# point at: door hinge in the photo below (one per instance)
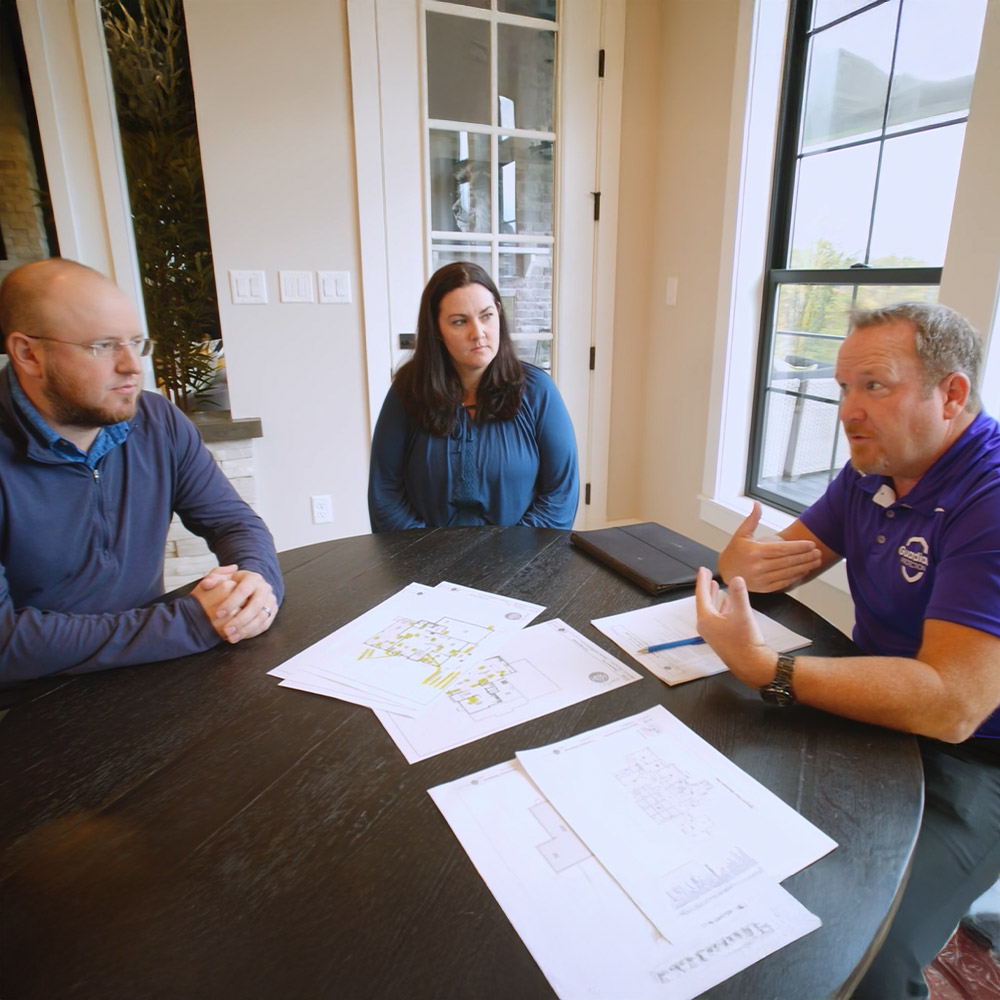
(597, 205)
(600, 63)
(586, 494)
(593, 357)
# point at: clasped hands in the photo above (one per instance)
(239, 603)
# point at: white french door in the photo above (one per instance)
(484, 131)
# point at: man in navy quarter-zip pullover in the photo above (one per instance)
(91, 471)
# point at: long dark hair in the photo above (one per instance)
(428, 384)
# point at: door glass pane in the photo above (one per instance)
(525, 274)
(460, 181)
(524, 186)
(481, 4)
(545, 9)
(831, 214)
(526, 63)
(848, 78)
(931, 79)
(911, 229)
(451, 251)
(497, 179)
(458, 68)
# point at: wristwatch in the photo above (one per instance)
(779, 691)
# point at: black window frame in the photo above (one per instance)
(776, 271)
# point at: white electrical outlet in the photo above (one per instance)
(322, 508)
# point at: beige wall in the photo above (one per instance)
(675, 136)
(272, 88)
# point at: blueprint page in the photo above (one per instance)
(589, 939)
(538, 670)
(675, 822)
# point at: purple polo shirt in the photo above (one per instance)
(933, 554)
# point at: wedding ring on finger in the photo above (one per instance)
(267, 611)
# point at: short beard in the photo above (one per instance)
(69, 414)
(879, 467)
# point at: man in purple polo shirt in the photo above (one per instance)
(916, 515)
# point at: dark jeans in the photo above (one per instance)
(956, 859)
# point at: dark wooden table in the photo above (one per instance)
(190, 829)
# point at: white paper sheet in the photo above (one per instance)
(635, 630)
(676, 823)
(406, 651)
(541, 669)
(589, 939)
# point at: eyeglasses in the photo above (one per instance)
(106, 348)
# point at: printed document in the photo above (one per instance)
(406, 651)
(635, 630)
(675, 822)
(590, 939)
(538, 670)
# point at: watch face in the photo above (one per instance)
(777, 694)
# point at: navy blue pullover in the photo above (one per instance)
(81, 550)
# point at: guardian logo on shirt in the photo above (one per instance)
(913, 559)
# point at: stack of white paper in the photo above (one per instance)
(447, 665)
(401, 654)
(635, 860)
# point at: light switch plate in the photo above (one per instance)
(334, 286)
(296, 286)
(248, 287)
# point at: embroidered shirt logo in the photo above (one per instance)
(913, 559)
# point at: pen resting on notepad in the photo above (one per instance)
(656, 647)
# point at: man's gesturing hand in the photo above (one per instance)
(770, 563)
(726, 622)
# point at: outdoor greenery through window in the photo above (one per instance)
(154, 99)
(874, 106)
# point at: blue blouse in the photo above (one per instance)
(517, 471)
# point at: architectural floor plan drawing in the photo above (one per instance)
(436, 644)
(498, 686)
(404, 653)
(677, 824)
(665, 792)
(538, 670)
(589, 939)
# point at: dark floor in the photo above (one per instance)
(965, 970)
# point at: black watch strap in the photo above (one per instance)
(779, 691)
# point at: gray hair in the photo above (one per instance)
(945, 342)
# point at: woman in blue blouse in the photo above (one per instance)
(467, 433)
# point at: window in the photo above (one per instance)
(27, 229)
(874, 105)
(491, 98)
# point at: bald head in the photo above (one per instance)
(34, 296)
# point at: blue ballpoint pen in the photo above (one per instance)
(693, 641)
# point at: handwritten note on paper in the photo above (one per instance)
(635, 630)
